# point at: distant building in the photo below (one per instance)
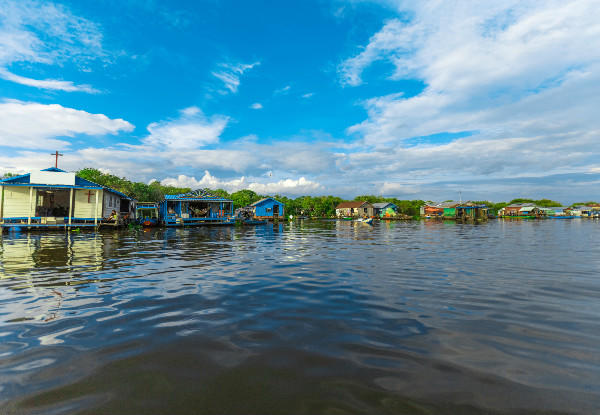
(354, 209)
(433, 209)
(267, 208)
(385, 209)
(518, 209)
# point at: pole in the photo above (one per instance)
(70, 206)
(96, 209)
(2, 205)
(30, 197)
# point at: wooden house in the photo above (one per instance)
(517, 209)
(267, 208)
(196, 208)
(54, 197)
(385, 209)
(354, 209)
(471, 210)
(439, 209)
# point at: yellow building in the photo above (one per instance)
(54, 197)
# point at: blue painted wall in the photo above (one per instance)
(265, 208)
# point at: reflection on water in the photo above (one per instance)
(303, 317)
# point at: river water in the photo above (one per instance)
(303, 317)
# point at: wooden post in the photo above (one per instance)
(96, 209)
(2, 205)
(71, 206)
(30, 197)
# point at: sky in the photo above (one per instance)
(410, 99)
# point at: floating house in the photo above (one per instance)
(196, 208)
(584, 211)
(471, 210)
(442, 209)
(385, 209)
(518, 209)
(56, 198)
(267, 208)
(354, 209)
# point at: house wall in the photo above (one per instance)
(111, 202)
(449, 212)
(266, 209)
(17, 203)
(85, 209)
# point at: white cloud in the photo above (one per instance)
(33, 125)
(67, 86)
(190, 131)
(286, 186)
(256, 106)
(522, 76)
(65, 38)
(230, 75)
(309, 95)
(283, 90)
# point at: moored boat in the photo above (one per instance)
(146, 214)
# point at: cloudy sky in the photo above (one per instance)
(407, 99)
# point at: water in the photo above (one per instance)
(305, 317)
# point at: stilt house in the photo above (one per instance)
(196, 208)
(267, 208)
(54, 197)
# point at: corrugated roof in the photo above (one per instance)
(258, 202)
(199, 195)
(351, 205)
(25, 179)
(383, 205)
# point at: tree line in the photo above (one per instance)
(313, 206)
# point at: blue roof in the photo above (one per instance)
(199, 195)
(264, 200)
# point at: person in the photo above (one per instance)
(113, 215)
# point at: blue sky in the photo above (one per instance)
(495, 99)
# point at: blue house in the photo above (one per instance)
(196, 208)
(268, 208)
(56, 198)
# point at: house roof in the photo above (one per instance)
(352, 205)
(383, 205)
(80, 183)
(264, 200)
(199, 195)
(520, 205)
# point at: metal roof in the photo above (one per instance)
(383, 205)
(199, 195)
(80, 183)
(351, 205)
(265, 199)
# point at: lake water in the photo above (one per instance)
(303, 317)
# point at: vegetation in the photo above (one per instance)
(312, 206)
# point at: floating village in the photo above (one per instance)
(54, 198)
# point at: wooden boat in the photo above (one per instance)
(254, 222)
(365, 220)
(146, 214)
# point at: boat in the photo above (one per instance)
(365, 220)
(146, 214)
(254, 222)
